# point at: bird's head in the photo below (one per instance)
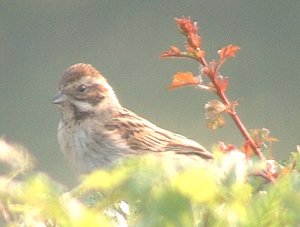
(84, 91)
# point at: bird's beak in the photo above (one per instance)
(59, 97)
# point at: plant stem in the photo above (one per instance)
(232, 111)
(241, 126)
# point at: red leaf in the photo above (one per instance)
(186, 26)
(210, 70)
(189, 29)
(222, 83)
(173, 52)
(182, 79)
(226, 148)
(194, 41)
(247, 149)
(228, 51)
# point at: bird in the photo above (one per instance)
(96, 132)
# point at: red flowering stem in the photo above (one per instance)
(241, 126)
(221, 94)
(193, 40)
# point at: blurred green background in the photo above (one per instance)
(40, 39)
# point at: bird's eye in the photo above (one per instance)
(82, 88)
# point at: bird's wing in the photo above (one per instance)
(142, 135)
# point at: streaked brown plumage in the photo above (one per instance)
(95, 131)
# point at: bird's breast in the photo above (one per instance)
(87, 147)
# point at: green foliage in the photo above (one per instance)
(150, 191)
